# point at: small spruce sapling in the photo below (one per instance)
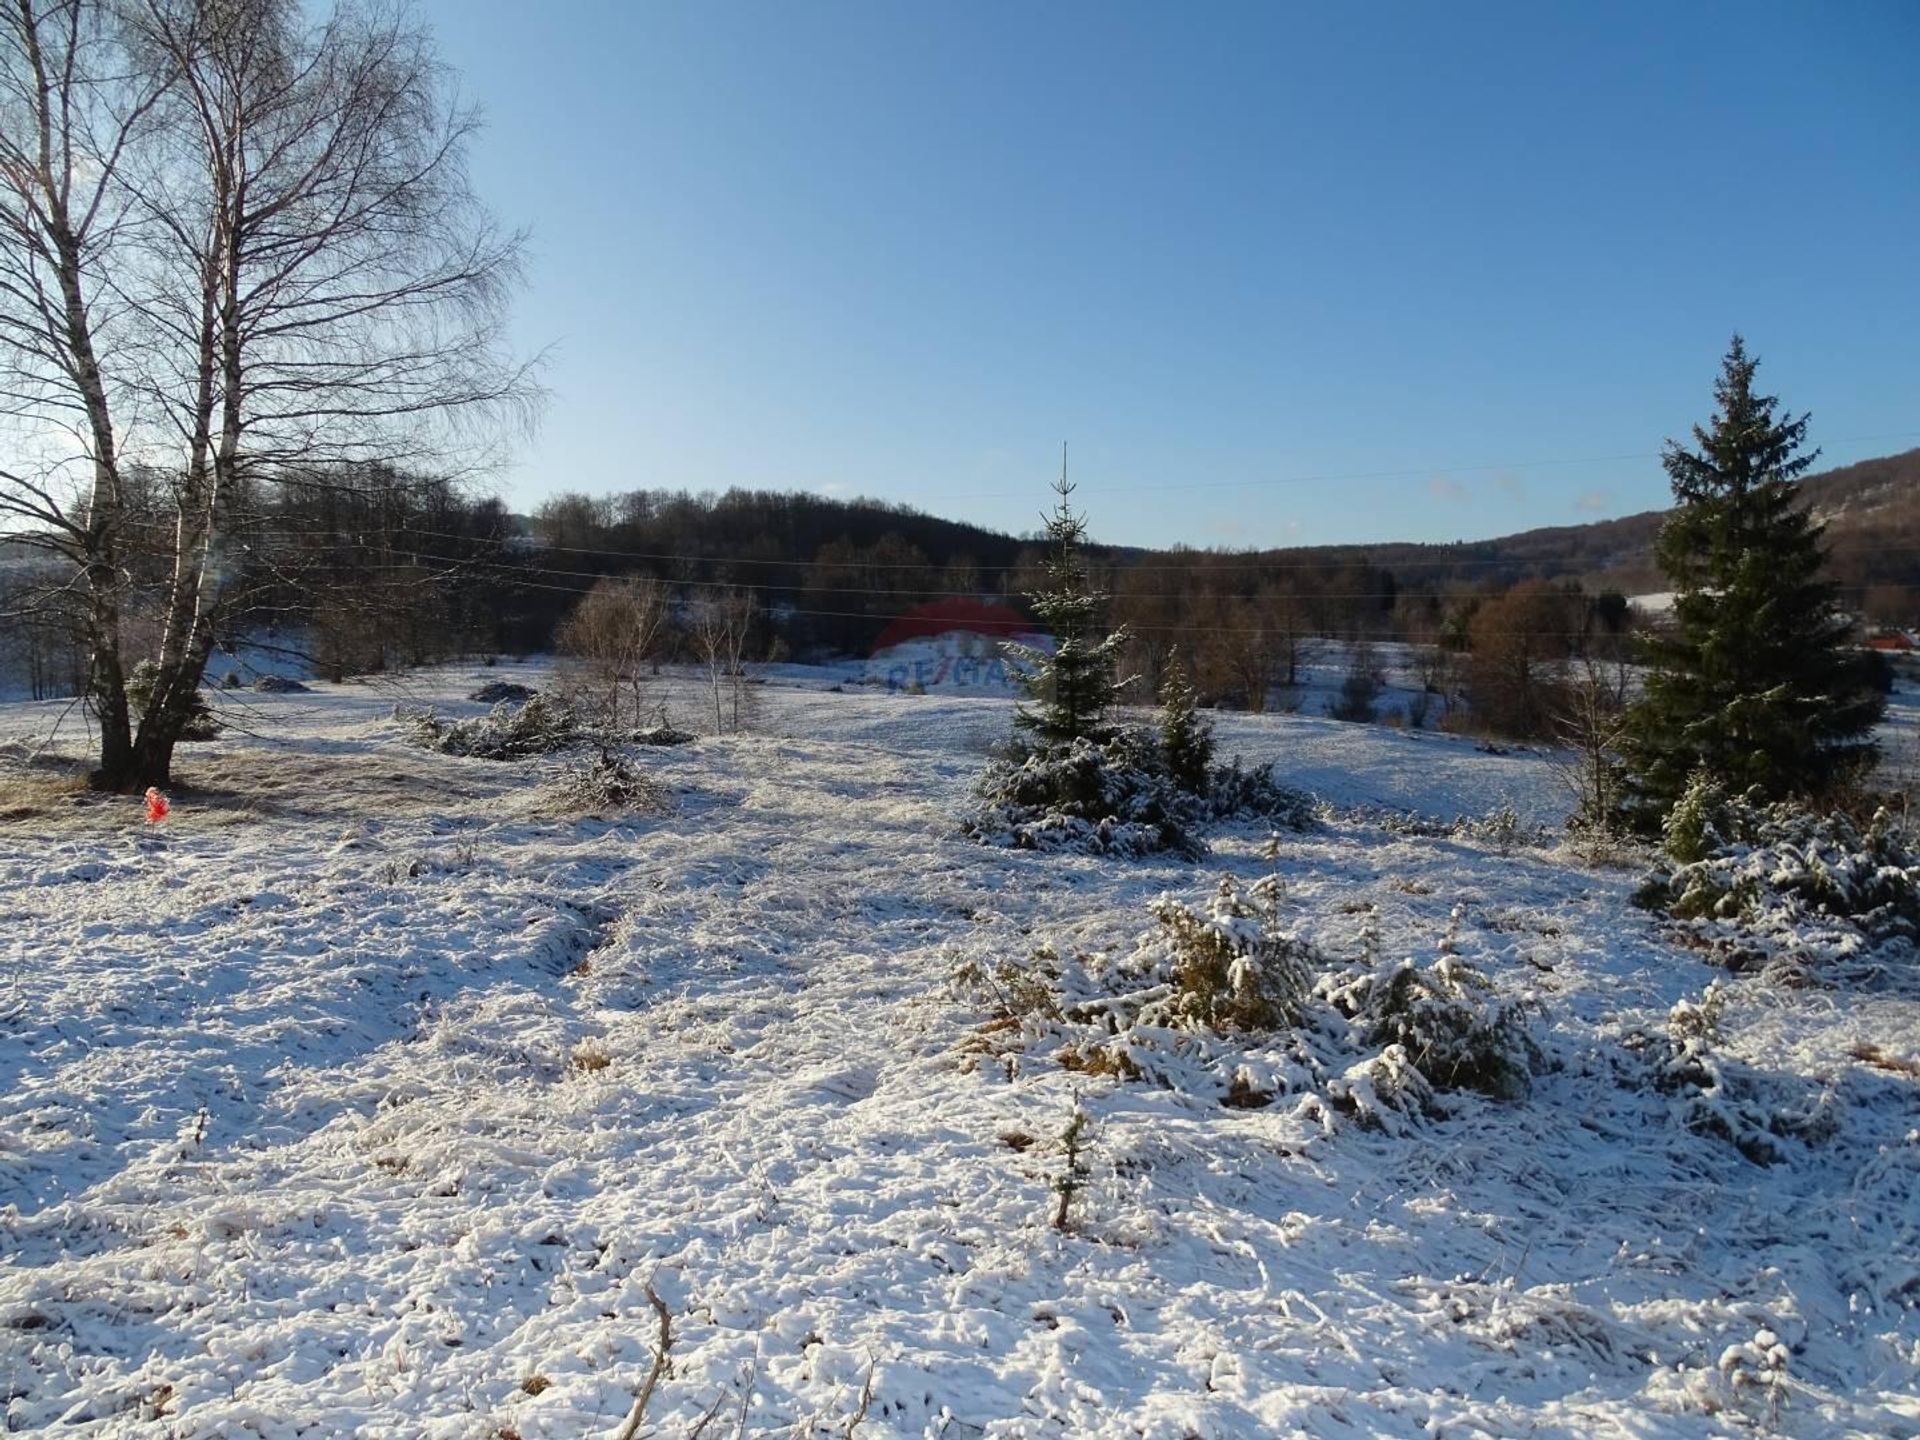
(1186, 735)
(1070, 689)
(1074, 1172)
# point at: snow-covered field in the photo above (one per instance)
(366, 1097)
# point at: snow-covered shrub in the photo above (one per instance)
(540, 726)
(608, 783)
(658, 730)
(1186, 734)
(1702, 821)
(1785, 878)
(502, 692)
(1383, 1091)
(1446, 1018)
(1759, 1364)
(1019, 990)
(1181, 1006)
(278, 685)
(1228, 963)
(1715, 1095)
(1500, 826)
(1119, 797)
(1238, 792)
(1107, 798)
(1073, 1169)
(1220, 998)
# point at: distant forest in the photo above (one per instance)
(395, 570)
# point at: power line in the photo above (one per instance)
(509, 569)
(1202, 567)
(515, 577)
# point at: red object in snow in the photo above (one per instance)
(157, 807)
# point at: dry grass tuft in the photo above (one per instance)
(35, 794)
(1880, 1060)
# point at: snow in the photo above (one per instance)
(363, 1095)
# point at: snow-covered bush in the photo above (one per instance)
(1500, 826)
(1180, 1006)
(1186, 734)
(1222, 999)
(608, 783)
(503, 692)
(658, 730)
(1758, 1364)
(1714, 1094)
(1701, 822)
(540, 726)
(1786, 878)
(1446, 1020)
(278, 685)
(1111, 797)
(1228, 963)
(1119, 797)
(1239, 792)
(1382, 1091)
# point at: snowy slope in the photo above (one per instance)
(365, 1098)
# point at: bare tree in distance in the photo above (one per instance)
(720, 623)
(282, 268)
(613, 635)
(1521, 641)
(1590, 720)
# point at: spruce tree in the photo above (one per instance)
(1186, 735)
(1071, 689)
(1753, 683)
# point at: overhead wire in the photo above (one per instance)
(515, 576)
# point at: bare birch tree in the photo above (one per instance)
(72, 115)
(296, 276)
(720, 624)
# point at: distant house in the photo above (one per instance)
(1898, 641)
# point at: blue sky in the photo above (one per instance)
(1279, 273)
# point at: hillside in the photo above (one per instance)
(1868, 506)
